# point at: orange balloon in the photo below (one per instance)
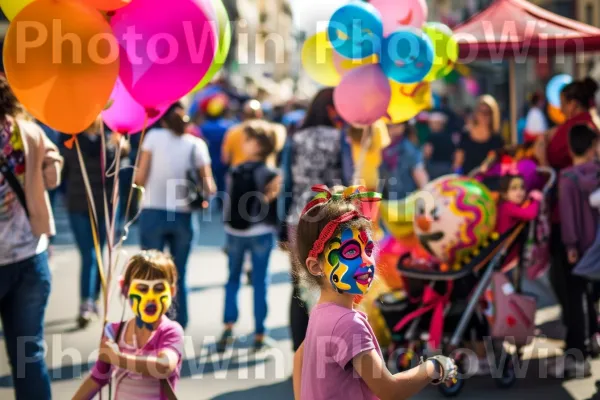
(62, 61)
(556, 114)
(107, 5)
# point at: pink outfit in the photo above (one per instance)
(132, 386)
(334, 337)
(511, 214)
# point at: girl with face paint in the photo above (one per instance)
(143, 354)
(340, 357)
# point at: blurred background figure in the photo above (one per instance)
(536, 124)
(438, 150)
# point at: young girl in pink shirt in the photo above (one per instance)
(143, 355)
(340, 357)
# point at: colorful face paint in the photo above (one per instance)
(349, 261)
(149, 300)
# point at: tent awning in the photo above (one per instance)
(518, 28)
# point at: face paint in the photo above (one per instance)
(149, 300)
(349, 262)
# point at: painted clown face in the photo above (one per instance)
(150, 300)
(349, 261)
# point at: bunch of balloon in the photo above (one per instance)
(553, 90)
(382, 51)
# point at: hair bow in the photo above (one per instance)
(508, 166)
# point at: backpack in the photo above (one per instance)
(246, 202)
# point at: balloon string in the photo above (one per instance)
(135, 166)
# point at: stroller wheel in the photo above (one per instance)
(508, 377)
(452, 389)
(402, 359)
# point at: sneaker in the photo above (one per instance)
(262, 344)
(567, 367)
(226, 340)
(88, 311)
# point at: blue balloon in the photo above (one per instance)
(407, 56)
(356, 30)
(555, 86)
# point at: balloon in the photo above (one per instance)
(408, 101)
(65, 87)
(556, 115)
(555, 86)
(344, 65)
(172, 52)
(407, 56)
(125, 115)
(454, 218)
(107, 5)
(224, 44)
(363, 95)
(445, 50)
(11, 8)
(318, 60)
(355, 30)
(395, 13)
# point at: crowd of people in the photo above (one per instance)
(279, 154)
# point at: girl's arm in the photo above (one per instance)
(297, 376)
(384, 385)
(161, 366)
(527, 213)
(87, 390)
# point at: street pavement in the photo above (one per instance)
(239, 374)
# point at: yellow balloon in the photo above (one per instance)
(344, 65)
(408, 100)
(445, 50)
(317, 60)
(398, 215)
(11, 8)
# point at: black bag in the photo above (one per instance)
(14, 183)
(245, 200)
(195, 194)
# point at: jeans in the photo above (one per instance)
(24, 292)
(161, 228)
(81, 227)
(260, 248)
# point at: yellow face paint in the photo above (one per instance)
(150, 300)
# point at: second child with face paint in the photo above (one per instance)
(340, 357)
(142, 356)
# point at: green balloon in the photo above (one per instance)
(445, 50)
(223, 45)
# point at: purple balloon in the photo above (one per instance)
(363, 95)
(166, 48)
(127, 116)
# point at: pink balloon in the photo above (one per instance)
(397, 13)
(363, 95)
(166, 48)
(127, 116)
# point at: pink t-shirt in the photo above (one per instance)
(334, 337)
(168, 335)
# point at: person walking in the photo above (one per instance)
(30, 165)
(168, 157)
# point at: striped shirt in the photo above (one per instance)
(132, 386)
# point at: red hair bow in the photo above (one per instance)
(508, 166)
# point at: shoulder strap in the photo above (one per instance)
(14, 183)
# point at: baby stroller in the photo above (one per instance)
(438, 306)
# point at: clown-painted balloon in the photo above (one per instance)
(555, 86)
(407, 56)
(445, 50)
(408, 100)
(454, 216)
(355, 30)
(396, 13)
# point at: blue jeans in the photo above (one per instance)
(260, 248)
(160, 228)
(24, 292)
(81, 227)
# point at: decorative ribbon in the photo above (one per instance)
(353, 194)
(432, 301)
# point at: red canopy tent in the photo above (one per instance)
(511, 29)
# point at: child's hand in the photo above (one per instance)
(572, 255)
(109, 352)
(536, 195)
(448, 369)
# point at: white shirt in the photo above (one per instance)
(170, 162)
(536, 122)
